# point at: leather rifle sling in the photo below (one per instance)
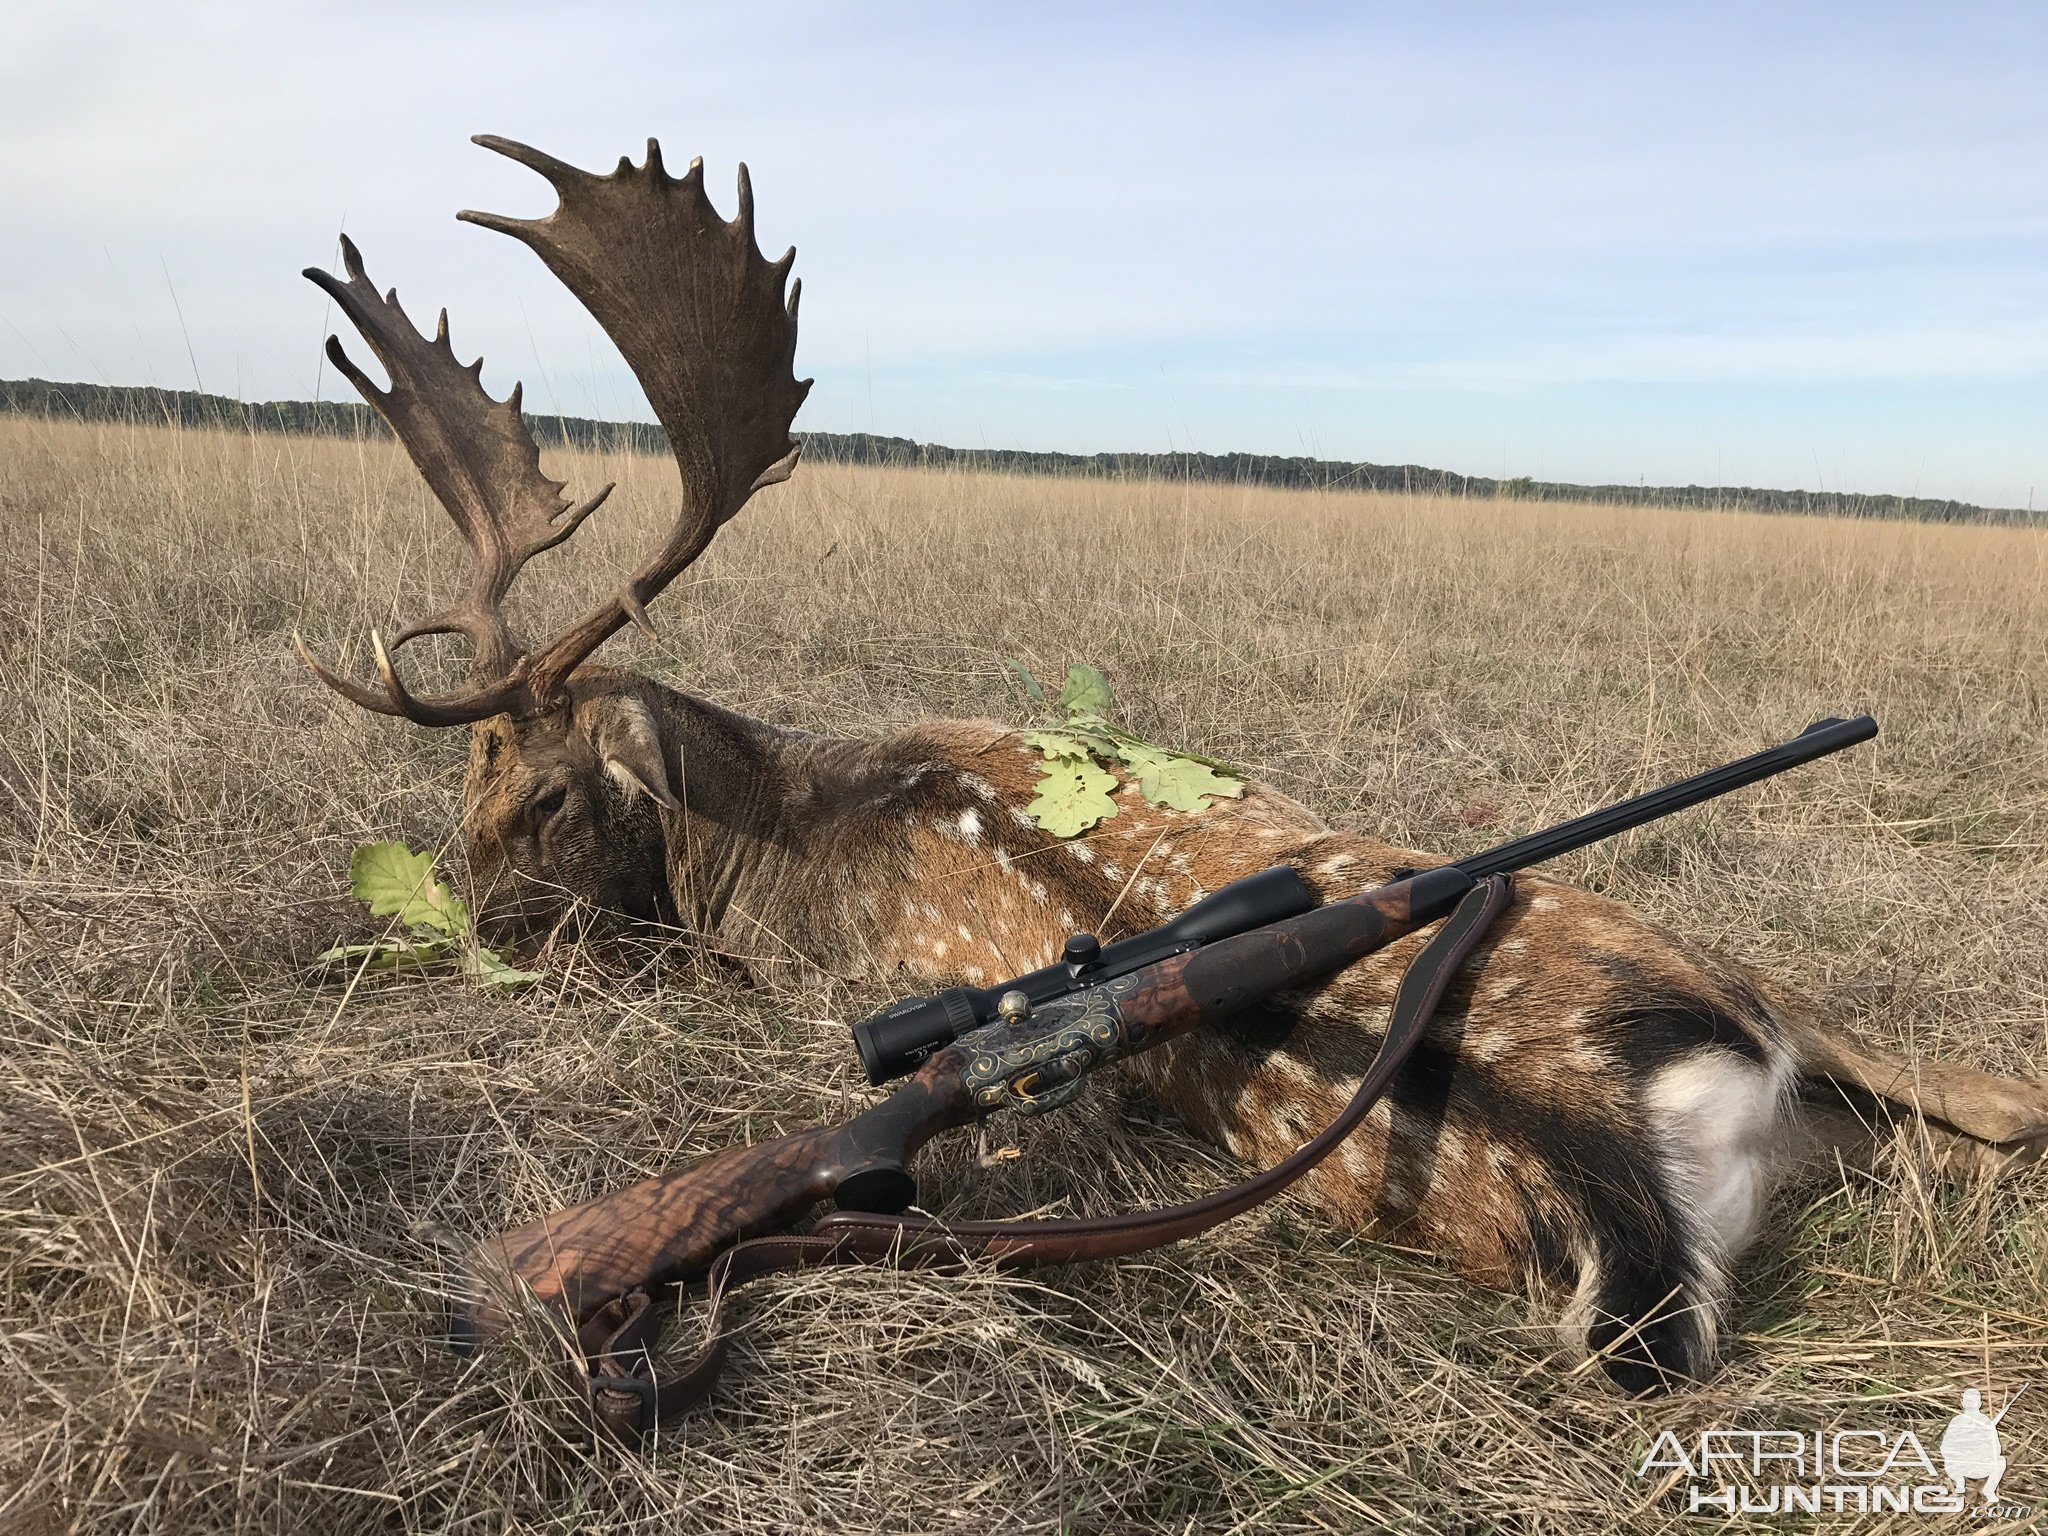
(625, 1396)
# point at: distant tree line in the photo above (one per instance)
(183, 407)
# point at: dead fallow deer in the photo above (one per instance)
(1601, 1106)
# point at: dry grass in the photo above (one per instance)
(220, 1184)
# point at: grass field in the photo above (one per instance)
(225, 1187)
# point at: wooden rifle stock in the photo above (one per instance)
(669, 1229)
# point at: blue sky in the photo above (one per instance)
(1780, 245)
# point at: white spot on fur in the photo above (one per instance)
(1113, 871)
(1543, 904)
(1590, 1059)
(1022, 817)
(977, 786)
(1582, 1311)
(970, 825)
(1082, 852)
(1294, 1069)
(1487, 1047)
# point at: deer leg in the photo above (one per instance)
(1836, 1122)
(2007, 1113)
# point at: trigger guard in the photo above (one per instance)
(1058, 1097)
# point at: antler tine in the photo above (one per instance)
(533, 159)
(461, 710)
(478, 458)
(700, 317)
(355, 693)
(743, 220)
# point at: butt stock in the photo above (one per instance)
(669, 1229)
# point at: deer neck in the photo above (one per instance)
(793, 848)
(727, 843)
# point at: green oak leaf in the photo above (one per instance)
(1212, 762)
(1030, 683)
(1085, 692)
(1073, 795)
(1074, 788)
(385, 955)
(492, 969)
(1173, 779)
(399, 957)
(1070, 746)
(1058, 746)
(397, 882)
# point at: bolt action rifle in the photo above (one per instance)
(1028, 1047)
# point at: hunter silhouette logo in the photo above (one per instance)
(1970, 1448)
(1862, 1470)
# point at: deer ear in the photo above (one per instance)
(629, 743)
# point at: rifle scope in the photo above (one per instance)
(894, 1041)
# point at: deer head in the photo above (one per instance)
(573, 767)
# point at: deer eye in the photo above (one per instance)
(545, 805)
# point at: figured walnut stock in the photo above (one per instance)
(1208, 985)
(668, 1229)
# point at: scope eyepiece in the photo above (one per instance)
(895, 1040)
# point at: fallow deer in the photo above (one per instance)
(1602, 1104)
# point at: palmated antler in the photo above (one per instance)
(478, 458)
(699, 315)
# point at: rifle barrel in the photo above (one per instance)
(2009, 1402)
(1817, 740)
